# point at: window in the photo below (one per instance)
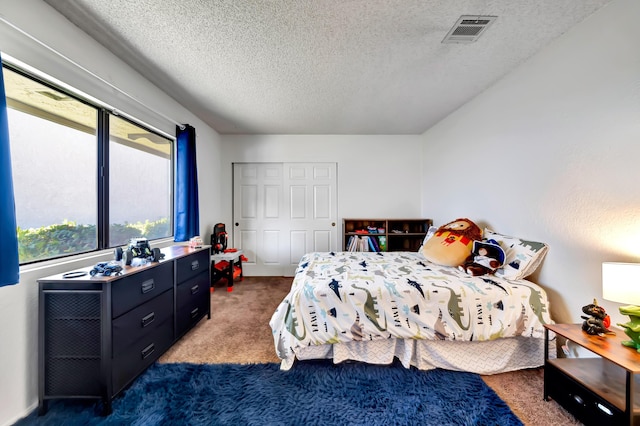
(77, 191)
(139, 175)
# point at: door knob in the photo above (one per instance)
(333, 224)
(237, 224)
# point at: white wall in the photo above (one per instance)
(551, 153)
(555, 145)
(378, 176)
(19, 303)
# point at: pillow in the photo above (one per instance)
(452, 243)
(523, 256)
(430, 232)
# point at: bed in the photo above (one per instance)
(374, 307)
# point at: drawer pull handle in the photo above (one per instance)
(194, 289)
(194, 313)
(148, 350)
(148, 286)
(195, 265)
(148, 319)
(604, 409)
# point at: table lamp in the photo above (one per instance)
(621, 283)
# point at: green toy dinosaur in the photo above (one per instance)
(632, 328)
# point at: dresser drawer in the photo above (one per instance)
(190, 313)
(192, 265)
(192, 289)
(141, 321)
(131, 291)
(140, 355)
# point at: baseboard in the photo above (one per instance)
(24, 414)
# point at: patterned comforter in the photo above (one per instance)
(347, 296)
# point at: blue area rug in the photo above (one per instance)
(311, 393)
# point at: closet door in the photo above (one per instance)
(259, 220)
(282, 211)
(310, 191)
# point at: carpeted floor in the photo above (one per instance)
(224, 339)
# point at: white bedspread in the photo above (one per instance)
(345, 297)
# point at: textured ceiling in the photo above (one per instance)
(322, 66)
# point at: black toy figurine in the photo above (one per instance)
(598, 322)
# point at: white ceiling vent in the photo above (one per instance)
(468, 28)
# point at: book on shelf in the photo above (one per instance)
(382, 242)
(352, 243)
(362, 243)
(375, 243)
(372, 244)
(366, 243)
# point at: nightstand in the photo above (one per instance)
(599, 390)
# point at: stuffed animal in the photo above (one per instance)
(452, 243)
(485, 258)
(598, 322)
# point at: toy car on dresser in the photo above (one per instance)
(106, 269)
(138, 248)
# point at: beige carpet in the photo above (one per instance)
(239, 332)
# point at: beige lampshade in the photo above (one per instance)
(621, 282)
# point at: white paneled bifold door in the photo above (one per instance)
(282, 211)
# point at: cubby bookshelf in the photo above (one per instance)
(397, 234)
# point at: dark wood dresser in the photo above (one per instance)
(98, 333)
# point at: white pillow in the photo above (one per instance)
(523, 256)
(432, 230)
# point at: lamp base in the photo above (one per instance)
(631, 328)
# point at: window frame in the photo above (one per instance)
(104, 113)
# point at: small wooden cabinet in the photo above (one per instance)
(98, 333)
(600, 390)
(395, 234)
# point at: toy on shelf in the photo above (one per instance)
(598, 321)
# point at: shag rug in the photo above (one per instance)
(311, 393)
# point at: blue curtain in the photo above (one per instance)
(9, 262)
(187, 216)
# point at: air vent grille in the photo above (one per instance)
(468, 29)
